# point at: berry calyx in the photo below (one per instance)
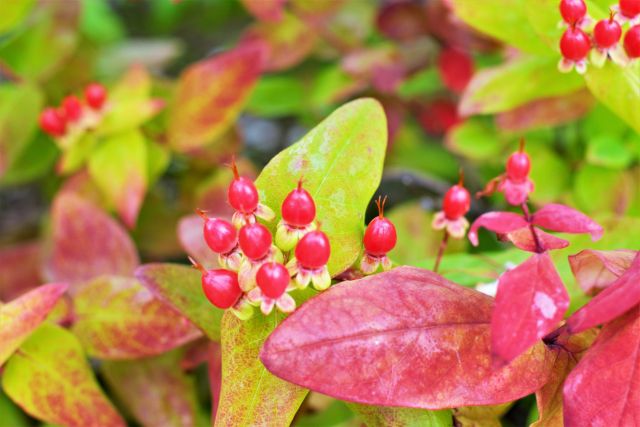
(95, 94)
(220, 286)
(71, 108)
(52, 122)
(380, 236)
(632, 42)
(630, 8)
(572, 11)
(273, 279)
(221, 236)
(298, 208)
(575, 44)
(242, 193)
(519, 165)
(607, 32)
(457, 200)
(255, 241)
(313, 250)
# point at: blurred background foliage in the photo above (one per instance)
(459, 87)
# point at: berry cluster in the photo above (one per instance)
(604, 41)
(73, 116)
(257, 272)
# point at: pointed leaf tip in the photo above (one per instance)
(563, 219)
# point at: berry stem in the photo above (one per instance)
(528, 218)
(522, 143)
(198, 266)
(380, 203)
(443, 246)
(234, 167)
(202, 214)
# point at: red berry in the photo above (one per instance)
(438, 116)
(52, 122)
(456, 69)
(95, 94)
(313, 250)
(273, 279)
(457, 202)
(380, 236)
(72, 108)
(630, 8)
(298, 208)
(572, 11)
(221, 236)
(221, 287)
(575, 44)
(519, 165)
(607, 33)
(632, 42)
(242, 194)
(255, 241)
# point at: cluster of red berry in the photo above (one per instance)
(257, 272)
(72, 116)
(576, 43)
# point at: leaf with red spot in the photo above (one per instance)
(286, 42)
(22, 316)
(210, 96)
(523, 239)
(50, 379)
(596, 270)
(85, 242)
(564, 219)
(530, 301)
(549, 397)
(498, 222)
(19, 269)
(155, 390)
(617, 298)
(604, 389)
(118, 318)
(265, 10)
(406, 337)
(180, 287)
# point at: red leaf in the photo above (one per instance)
(523, 239)
(265, 10)
(564, 219)
(596, 270)
(619, 297)
(86, 242)
(530, 302)
(498, 222)
(406, 337)
(604, 389)
(19, 270)
(402, 20)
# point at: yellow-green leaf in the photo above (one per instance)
(382, 416)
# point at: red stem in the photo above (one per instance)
(443, 246)
(528, 218)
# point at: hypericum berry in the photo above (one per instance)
(380, 236)
(456, 69)
(632, 42)
(221, 236)
(52, 122)
(220, 286)
(255, 241)
(519, 165)
(298, 208)
(629, 8)
(607, 33)
(72, 108)
(95, 94)
(573, 11)
(242, 194)
(313, 250)
(457, 202)
(273, 279)
(575, 44)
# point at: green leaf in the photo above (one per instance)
(155, 390)
(336, 414)
(608, 151)
(37, 158)
(598, 189)
(51, 380)
(341, 162)
(74, 157)
(11, 414)
(618, 88)
(381, 416)
(505, 20)
(550, 173)
(119, 167)
(99, 22)
(277, 96)
(515, 83)
(474, 139)
(423, 83)
(158, 159)
(13, 12)
(180, 287)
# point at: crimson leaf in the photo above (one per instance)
(407, 337)
(596, 270)
(564, 219)
(498, 222)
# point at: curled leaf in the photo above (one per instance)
(564, 219)
(406, 337)
(595, 270)
(498, 222)
(523, 239)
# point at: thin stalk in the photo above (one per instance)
(527, 217)
(443, 246)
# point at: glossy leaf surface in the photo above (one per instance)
(564, 219)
